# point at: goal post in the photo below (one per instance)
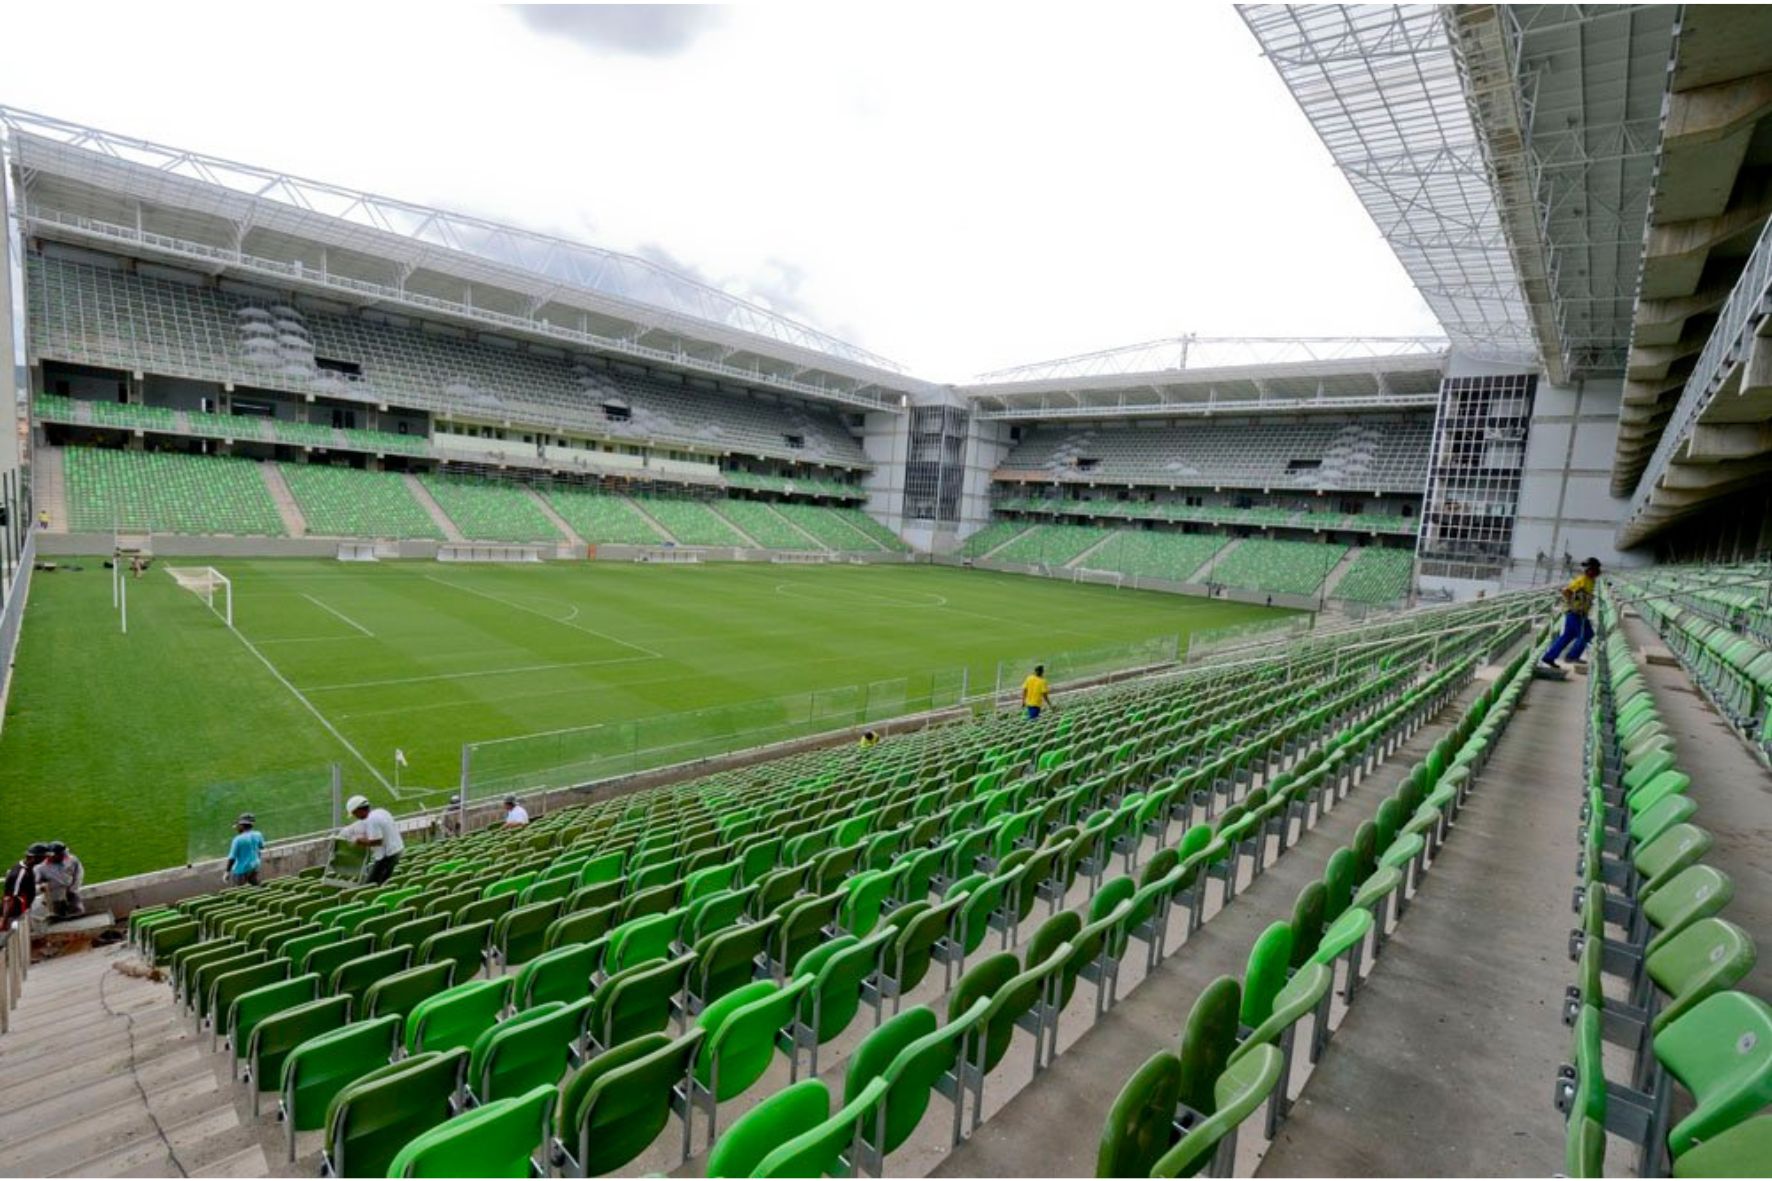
(207, 583)
(1113, 578)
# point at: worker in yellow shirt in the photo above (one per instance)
(1578, 630)
(1036, 694)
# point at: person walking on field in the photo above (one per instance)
(1036, 694)
(1578, 630)
(376, 831)
(243, 853)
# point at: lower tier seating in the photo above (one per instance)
(996, 533)
(1377, 576)
(1050, 545)
(486, 510)
(1278, 567)
(763, 525)
(692, 522)
(167, 492)
(600, 519)
(351, 502)
(1176, 557)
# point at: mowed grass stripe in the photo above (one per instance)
(111, 741)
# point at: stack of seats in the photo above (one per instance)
(1181, 1112)
(1656, 959)
(1377, 576)
(692, 522)
(486, 510)
(166, 492)
(763, 525)
(349, 502)
(600, 519)
(642, 960)
(1050, 545)
(1141, 554)
(1278, 567)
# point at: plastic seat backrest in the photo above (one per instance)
(1307, 921)
(400, 992)
(315, 1071)
(614, 1106)
(500, 1139)
(456, 1016)
(1720, 1051)
(741, 1029)
(781, 1117)
(526, 1051)
(1269, 965)
(1140, 1123)
(371, 1119)
(1710, 955)
(1207, 1039)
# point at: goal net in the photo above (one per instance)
(208, 584)
(1103, 577)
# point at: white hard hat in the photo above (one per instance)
(355, 802)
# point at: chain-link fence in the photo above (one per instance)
(585, 754)
(1079, 664)
(285, 805)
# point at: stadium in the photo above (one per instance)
(669, 738)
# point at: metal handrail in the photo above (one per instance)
(15, 962)
(1740, 314)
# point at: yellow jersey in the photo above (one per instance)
(1033, 691)
(1579, 594)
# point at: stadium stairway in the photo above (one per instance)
(49, 487)
(812, 543)
(1081, 561)
(1206, 573)
(294, 523)
(1432, 1073)
(1341, 568)
(426, 501)
(1049, 1129)
(554, 518)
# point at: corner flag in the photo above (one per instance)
(399, 756)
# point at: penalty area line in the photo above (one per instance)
(336, 613)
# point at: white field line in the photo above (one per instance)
(544, 615)
(487, 672)
(335, 612)
(309, 706)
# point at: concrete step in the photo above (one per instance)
(812, 543)
(294, 523)
(714, 507)
(640, 507)
(49, 487)
(429, 503)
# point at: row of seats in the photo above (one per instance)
(763, 525)
(165, 420)
(1180, 1113)
(1377, 576)
(997, 533)
(1656, 961)
(166, 492)
(1277, 567)
(1260, 517)
(789, 485)
(1138, 553)
(691, 522)
(1051, 545)
(761, 907)
(1723, 636)
(601, 519)
(490, 510)
(351, 502)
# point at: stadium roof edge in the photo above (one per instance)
(691, 324)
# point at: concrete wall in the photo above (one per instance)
(1566, 503)
(886, 440)
(986, 445)
(11, 412)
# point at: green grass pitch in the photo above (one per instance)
(117, 744)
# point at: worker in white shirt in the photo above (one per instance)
(516, 816)
(376, 831)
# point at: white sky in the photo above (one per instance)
(959, 187)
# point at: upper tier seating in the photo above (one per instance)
(153, 418)
(1259, 517)
(1377, 576)
(1369, 455)
(485, 510)
(166, 492)
(763, 524)
(691, 522)
(847, 875)
(349, 502)
(95, 315)
(793, 485)
(600, 519)
(1278, 567)
(1151, 554)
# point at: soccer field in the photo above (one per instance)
(129, 746)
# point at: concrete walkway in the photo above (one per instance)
(1444, 1064)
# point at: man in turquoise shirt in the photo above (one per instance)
(243, 853)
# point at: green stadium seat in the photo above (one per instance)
(316, 1070)
(373, 1117)
(614, 1106)
(499, 1139)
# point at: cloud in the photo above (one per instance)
(646, 30)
